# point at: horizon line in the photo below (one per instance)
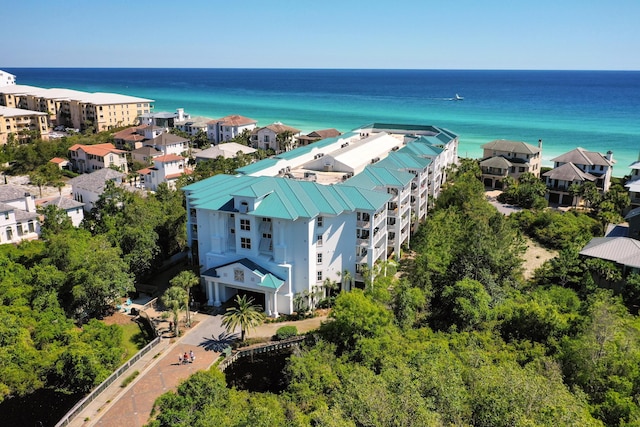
(312, 68)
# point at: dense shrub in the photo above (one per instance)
(286, 332)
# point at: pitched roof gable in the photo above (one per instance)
(580, 156)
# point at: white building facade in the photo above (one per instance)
(279, 228)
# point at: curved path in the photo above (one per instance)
(160, 372)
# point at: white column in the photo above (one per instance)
(217, 302)
(209, 292)
(274, 312)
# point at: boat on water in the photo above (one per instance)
(458, 98)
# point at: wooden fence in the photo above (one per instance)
(265, 348)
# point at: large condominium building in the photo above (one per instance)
(284, 225)
(80, 110)
(21, 123)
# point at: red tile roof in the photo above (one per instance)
(168, 158)
(97, 149)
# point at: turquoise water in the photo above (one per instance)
(597, 110)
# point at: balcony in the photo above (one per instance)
(363, 224)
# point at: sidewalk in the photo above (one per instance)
(159, 372)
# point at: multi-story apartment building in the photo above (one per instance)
(578, 166)
(80, 110)
(229, 127)
(283, 225)
(89, 158)
(21, 123)
(502, 158)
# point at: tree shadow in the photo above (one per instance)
(219, 343)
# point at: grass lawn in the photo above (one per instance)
(133, 339)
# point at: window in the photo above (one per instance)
(238, 275)
(319, 240)
(6, 215)
(32, 227)
(245, 225)
(245, 243)
(319, 258)
(266, 235)
(232, 230)
(521, 169)
(319, 221)
(319, 276)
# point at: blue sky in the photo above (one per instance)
(419, 34)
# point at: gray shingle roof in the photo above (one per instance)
(511, 146)
(569, 172)
(10, 192)
(95, 181)
(622, 250)
(580, 156)
(64, 203)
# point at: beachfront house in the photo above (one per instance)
(6, 78)
(276, 137)
(89, 158)
(578, 167)
(281, 226)
(229, 127)
(130, 138)
(18, 217)
(502, 158)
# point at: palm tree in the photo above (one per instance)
(329, 286)
(284, 140)
(346, 279)
(186, 280)
(245, 315)
(174, 299)
(39, 180)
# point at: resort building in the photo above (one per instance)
(577, 167)
(229, 127)
(88, 187)
(165, 169)
(325, 211)
(18, 217)
(76, 109)
(503, 158)
(22, 124)
(276, 137)
(89, 158)
(227, 150)
(7, 79)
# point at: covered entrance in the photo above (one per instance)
(243, 276)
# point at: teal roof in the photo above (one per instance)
(403, 159)
(258, 166)
(420, 148)
(281, 197)
(374, 177)
(267, 279)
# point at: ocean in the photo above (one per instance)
(596, 110)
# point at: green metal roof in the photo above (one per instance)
(373, 177)
(420, 148)
(403, 160)
(282, 197)
(258, 166)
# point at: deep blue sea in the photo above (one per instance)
(596, 110)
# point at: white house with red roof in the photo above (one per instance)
(229, 127)
(166, 168)
(89, 158)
